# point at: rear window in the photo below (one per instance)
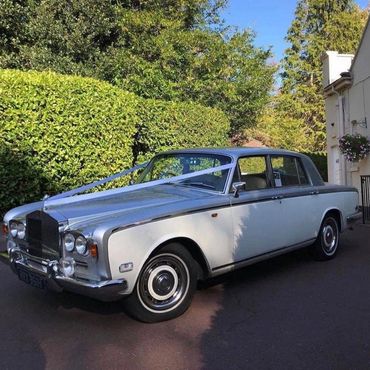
(288, 171)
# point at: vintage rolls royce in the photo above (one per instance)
(190, 215)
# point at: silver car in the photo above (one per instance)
(190, 215)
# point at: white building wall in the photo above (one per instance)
(334, 64)
(347, 111)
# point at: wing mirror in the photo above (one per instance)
(237, 186)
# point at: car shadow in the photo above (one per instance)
(293, 312)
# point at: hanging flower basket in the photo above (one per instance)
(354, 147)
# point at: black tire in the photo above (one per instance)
(326, 244)
(165, 286)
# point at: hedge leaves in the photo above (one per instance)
(58, 132)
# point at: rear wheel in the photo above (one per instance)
(326, 245)
(165, 286)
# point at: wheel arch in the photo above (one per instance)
(337, 214)
(193, 248)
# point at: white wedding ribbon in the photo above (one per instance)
(64, 198)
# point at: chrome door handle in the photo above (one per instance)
(314, 192)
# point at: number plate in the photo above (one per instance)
(34, 280)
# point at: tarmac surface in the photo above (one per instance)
(286, 313)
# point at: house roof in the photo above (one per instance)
(361, 42)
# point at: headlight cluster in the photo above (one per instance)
(17, 229)
(76, 242)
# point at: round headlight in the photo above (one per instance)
(13, 227)
(69, 242)
(81, 245)
(21, 228)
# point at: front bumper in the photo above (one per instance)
(105, 290)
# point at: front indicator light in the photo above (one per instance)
(93, 249)
(4, 228)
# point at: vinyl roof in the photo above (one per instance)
(234, 152)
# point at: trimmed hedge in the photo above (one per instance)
(171, 125)
(58, 132)
(321, 162)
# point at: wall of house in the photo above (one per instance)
(359, 118)
(333, 129)
(359, 103)
(348, 112)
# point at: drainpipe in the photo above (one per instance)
(341, 123)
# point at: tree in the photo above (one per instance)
(175, 50)
(319, 25)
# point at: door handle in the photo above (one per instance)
(314, 192)
(276, 197)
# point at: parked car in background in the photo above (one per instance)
(192, 214)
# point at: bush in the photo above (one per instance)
(320, 159)
(64, 130)
(58, 132)
(164, 126)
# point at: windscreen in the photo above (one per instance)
(170, 165)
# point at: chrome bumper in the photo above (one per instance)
(353, 218)
(105, 290)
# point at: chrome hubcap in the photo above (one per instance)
(164, 283)
(330, 237)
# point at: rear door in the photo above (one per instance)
(299, 200)
(256, 212)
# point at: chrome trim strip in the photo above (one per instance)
(235, 202)
(261, 257)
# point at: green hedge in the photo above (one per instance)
(321, 162)
(166, 126)
(58, 132)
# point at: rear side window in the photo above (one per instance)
(288, 171)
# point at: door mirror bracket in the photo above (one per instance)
(237, 186)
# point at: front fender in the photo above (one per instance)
(214, 236)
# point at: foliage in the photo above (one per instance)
(174, 50)
(320, 159)
(354, 147)
(277, 129)
(165, 125)
(319, 25)
(59, 132)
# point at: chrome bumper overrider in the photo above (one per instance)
(105, 290)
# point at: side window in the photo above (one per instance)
(253, 171)
(288, 171)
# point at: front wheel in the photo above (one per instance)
(165, 286)
(326, 245)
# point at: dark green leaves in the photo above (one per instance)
(58, 132)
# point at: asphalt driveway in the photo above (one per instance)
(287, 313)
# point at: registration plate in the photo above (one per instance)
(32, 279)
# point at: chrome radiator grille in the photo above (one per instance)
(42, 235)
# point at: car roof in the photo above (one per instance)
(234, 152)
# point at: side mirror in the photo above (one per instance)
(237, 186)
